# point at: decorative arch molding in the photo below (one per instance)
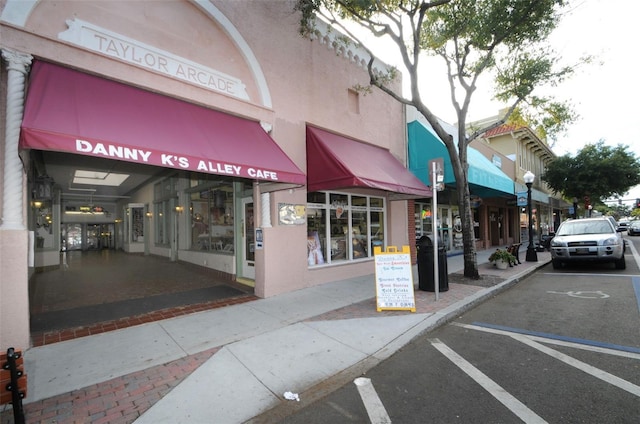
(17, 12)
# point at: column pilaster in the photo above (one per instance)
(13, 202)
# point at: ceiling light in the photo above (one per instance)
(98, 178)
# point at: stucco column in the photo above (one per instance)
(14, 244)
(265, 210)
(12, 201)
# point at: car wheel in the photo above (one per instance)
(621, 264)
(556, 264)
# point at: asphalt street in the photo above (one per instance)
(560, 346)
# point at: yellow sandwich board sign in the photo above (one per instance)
(394, 282)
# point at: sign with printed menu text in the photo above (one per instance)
(394, 279)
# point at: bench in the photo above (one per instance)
(514, 250)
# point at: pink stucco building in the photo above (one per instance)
(202, 131)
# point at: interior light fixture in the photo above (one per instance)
(98, 178)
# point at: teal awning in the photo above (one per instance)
(485, 179)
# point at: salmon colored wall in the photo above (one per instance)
(305, 82)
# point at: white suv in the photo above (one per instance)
(588, 239)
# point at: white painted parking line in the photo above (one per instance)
(372, 403)
(634, 252)
(586, 274)
(508, 400)
(558, 342)
(595, 372)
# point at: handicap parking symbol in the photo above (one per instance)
(584, 294)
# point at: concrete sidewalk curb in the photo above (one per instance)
(431, 322)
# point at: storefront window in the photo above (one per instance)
(457, 229)
(359, 227)
(316, 234)
(376, 231)
(423, 222)
(165, 195)
(339, 221)
(43, 219)
(161, 222)
(343, 227)
(212, 215)
(136, 215)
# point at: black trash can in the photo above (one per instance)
(425, 266)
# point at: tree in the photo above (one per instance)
(598, 172)
(503, 38)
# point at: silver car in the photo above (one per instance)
(589, 239)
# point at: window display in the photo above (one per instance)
(43, 219)
(343, 227)
(212, 217)
(165, 196)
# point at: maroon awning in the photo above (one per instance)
(70, 111)
(335, 161)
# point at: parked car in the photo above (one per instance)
(613, 222)
(634, 228)
(588, 239)
(623, 223)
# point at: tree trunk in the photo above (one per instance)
(460, 170)
(468, 234)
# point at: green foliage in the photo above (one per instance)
(502, 254)
(503, 39)
(598, 171)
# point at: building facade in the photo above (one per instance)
(529, 153)
(206, 132)
(491, 189)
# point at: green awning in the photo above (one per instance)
(485, 179)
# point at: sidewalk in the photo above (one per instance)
(233, 364)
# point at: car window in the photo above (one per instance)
(586, 227)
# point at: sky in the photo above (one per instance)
(603, 94)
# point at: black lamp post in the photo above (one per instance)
(532, 256)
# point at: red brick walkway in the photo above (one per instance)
(41, 339)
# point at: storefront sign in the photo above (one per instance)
(125, 49)
(394, 280)
(292, 214)
(167, 160)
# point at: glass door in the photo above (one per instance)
(71, 236)
(93, 236)
(248, 239)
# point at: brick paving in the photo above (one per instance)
(117, 401)
(41, 339)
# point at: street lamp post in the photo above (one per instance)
(532, 256)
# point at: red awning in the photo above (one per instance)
(70, 111)
(334, 161)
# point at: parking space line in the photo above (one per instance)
(636, 287)
(582, 366)
(508, 400)
(372, 403)
(635, 253)
(587, 274)
(591, 345)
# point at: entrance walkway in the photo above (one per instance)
(104, 290)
